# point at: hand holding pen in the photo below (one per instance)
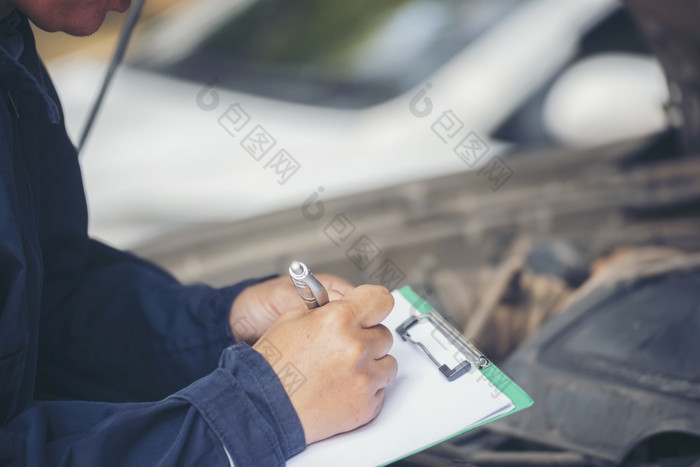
(260, 305)
(331, 355)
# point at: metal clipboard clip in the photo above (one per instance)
(465, 354)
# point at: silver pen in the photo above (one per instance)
(308, 287)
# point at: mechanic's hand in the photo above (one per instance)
(339, 357)
(258, 306)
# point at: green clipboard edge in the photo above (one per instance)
(520, 399)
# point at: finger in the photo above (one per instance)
(380, 339)
(331, 281)
(386, 369)
(378, 403)
(372, 303)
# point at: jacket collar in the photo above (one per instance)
(20, 66)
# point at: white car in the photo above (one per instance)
(233, 109)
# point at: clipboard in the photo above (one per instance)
(423, 407)
(520, 399)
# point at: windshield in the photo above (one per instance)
(342, 54)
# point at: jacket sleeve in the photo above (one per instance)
(241, 406)
(128, 331)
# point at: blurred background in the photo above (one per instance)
(335, 87)
(520, 163)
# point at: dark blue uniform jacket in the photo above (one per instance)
(105, 359)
